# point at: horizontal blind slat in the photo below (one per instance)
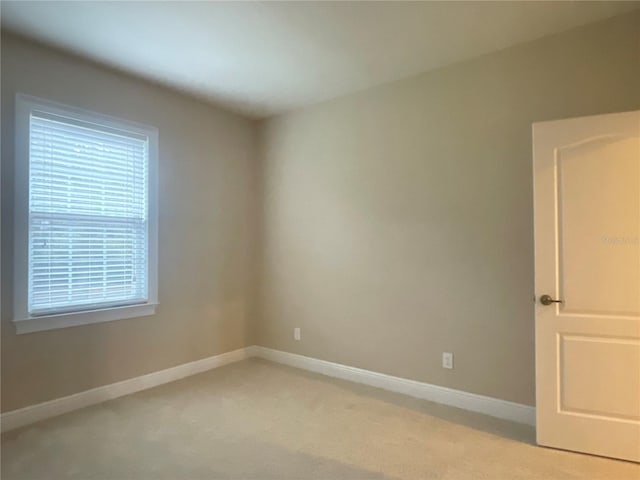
(70, 157)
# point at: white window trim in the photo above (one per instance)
(23, 322)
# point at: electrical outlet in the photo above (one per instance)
(447, 360)
(296, 333)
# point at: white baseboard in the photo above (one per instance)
(34, 413)
(456, 398)
(447, 396)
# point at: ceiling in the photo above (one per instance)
(263, 58)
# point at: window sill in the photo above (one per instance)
(53, 322)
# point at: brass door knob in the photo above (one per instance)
(548, 300)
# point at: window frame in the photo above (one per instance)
(25, 323)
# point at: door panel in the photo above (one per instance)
(587, 234)
(598, 240)
(589, 363)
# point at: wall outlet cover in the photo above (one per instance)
(447, 360)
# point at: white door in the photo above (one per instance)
(587, 256)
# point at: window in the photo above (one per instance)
(86, 219)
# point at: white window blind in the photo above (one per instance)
(88, 216)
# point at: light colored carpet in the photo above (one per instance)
(257, 420)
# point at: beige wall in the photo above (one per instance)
(398, 221)
(207, 194)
